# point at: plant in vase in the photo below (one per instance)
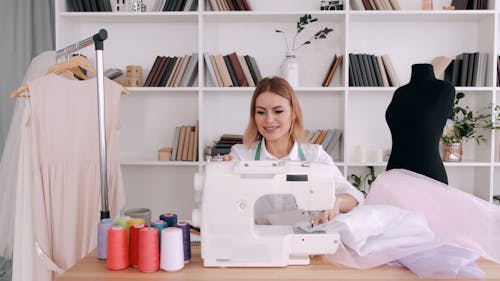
(462, 125)
(289, 67)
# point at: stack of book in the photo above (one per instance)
(375, 5)
(467, 70)
(179, 71)
(232, 70)
(223, 145)
(470, 4)
(336, 63)
(329, 139)
(229, 5)
(371, 71)
(89, 5)
(174, 5)
(185, 143)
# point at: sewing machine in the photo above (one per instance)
(229, 235)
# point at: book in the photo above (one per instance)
(182, 70)
(217, 72)
(353, 58)
(161, 69)
(459, 4)
(224, 72)
(440, 64)
(193, 72)
(246, 71)
(254, 68)
(395, 4)
(196, 139)
(457, 69)
(210, 70)
(363, 70)
(465, 68)
(391, 73)
(107, 6)
(151, 72)
(212, 151)
(231, 71)
(231, 137)
(330, 68)
(168, 71)
(182, 141)
(213, 5)
(175, 143)
(238, 70)
(190, 145)
(473, 76)
(337, 62)
(247, 6)
(376, 70)
(93, 6)
(175, 69)
(321, 136)
(328, 137)
(371, 72)
(385, 80)
(315, 136)
(357, 5)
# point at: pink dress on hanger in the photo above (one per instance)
(66, 185)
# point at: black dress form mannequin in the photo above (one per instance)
(416, 117)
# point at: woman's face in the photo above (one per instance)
(273, 116)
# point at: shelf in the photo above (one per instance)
(141, 90)
(372, 89)
(363, 164)
(130, 17)
(467, 164)
(274, 16)
(157, 163)
(251, 89)
(433, 16)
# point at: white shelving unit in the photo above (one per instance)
(150, 115)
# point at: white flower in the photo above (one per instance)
(448, 130)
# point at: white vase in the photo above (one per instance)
(290, 69)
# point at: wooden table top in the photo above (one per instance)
(92, 269)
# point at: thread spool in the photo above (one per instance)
(136, 221)
(186, 240)
(102, 238)
(140, 213)
(117, 248)
(172, 251)
(133, 244)
(160, 225)
(149, 256)
(169, 218)
(123, 221)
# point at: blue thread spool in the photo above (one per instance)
(170, 218)
(160, 225)
(186, 240)
(102, 238)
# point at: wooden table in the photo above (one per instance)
(92, 269)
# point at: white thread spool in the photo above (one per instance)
(172, 249)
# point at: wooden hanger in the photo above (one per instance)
(68, 69)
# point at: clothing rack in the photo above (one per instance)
(98, 40)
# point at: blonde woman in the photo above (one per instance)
(275, 132)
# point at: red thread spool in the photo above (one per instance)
(149, 254)
(133, 244)
(117, 248)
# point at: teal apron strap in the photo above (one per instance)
(259, 148)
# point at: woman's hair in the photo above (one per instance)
(281, 87)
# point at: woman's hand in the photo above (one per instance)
(227, 157)
(343, 204)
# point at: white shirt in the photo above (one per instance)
(285, 203)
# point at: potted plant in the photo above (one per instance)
(462, 125)
(289, 67)
(363, 183)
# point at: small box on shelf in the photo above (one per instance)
(164, 154)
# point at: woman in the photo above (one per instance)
(275, 132)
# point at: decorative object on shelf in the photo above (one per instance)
(427, 5)
(133, 76)
(363, 183)
(335, 5)
(164, 154)
(290, 67)
(462, 125)
(137, 6)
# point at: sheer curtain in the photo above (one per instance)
(26, 29)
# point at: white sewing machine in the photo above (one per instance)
(229, 235)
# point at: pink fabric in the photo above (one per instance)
(66, 184)
(455, 217)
